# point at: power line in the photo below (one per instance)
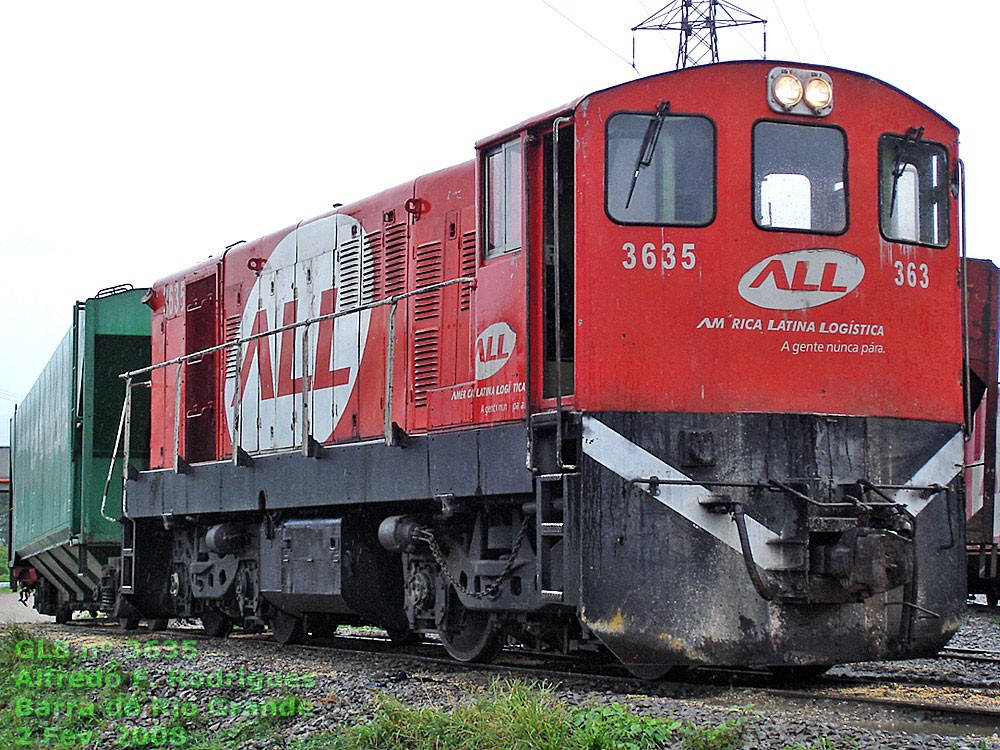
(795, 49)
(609, 49)
(6, 395)
(663, 37)
(749, 44)
(818, 37)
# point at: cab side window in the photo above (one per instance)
(503, 220)
(913, 189)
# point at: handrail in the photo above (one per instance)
(557, 291)
(308, 322)
(124, 427)
(125, 423)
(964, 271)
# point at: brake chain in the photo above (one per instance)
(427, 536)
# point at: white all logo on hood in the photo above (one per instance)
(801, 278)
(314, 270)
(493, 348)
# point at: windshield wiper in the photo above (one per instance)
(648, 147)
(899, 165)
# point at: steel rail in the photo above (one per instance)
(968, 654)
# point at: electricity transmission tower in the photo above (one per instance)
(697, 21)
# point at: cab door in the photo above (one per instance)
(200, 375)
(500, 333)
(553, 263)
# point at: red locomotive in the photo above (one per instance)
(676, 368)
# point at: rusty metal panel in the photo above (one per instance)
(980, 450)
(4, 496)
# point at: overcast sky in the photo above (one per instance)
(139, 137)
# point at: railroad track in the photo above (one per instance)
(942, 717)
(969, 654)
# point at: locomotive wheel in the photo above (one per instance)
(287, 628)
(654, 672)
(125, 613)
(991, 600)
(402, 636)
(130, 621)
(322, 627)
(215, 624)
(799, 672)
(63, 615)
(160, 623)
(471, 636)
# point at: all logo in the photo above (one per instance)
(493, 348)
(314, 270)
(801, 279)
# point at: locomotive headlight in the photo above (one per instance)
(797, 91)
(819, 93)
(787, 90)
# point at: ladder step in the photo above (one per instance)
(550, 477)
(544, 419)
(778, 541)
(552, 596)
(552, 528)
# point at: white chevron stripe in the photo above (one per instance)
(941, 469)
(630, 461)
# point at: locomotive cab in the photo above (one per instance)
(759, 253)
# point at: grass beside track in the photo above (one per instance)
(511, 714)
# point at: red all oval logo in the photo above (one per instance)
(801, 278)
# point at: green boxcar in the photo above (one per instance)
(63, 436)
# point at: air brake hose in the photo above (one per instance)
(755, 579)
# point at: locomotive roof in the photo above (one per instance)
(571, 106)
(539, 119)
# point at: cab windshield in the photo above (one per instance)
(660, 169)
(800, 177)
